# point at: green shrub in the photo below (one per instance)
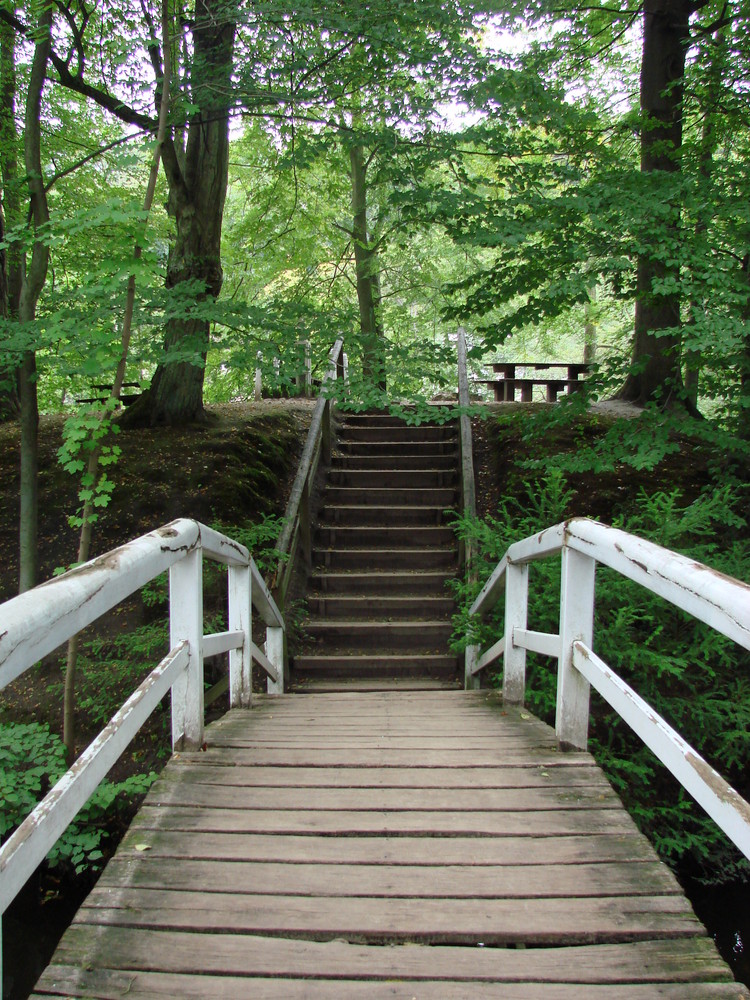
(32, 760)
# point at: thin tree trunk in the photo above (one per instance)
(589, 328)
(656, 354)
(366, 267)
(10, 271)
(31, 289)
(87, 526)
(715, 54)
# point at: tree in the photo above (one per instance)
(34, 275)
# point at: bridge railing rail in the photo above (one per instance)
(37, 622)
(718, 600)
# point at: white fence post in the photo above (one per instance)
(186, 623)
(258, 378)
(576, 623)
(275, 653)
(241, 620)
(516, 608)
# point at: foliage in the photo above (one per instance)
(32, 760)
(693, 676)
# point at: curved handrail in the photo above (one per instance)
(297, 514)
(718, 600)
(40, 620)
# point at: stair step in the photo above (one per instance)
(374, 515)
(380, 665)
(359, 607)
(364, 559)
(381, 682)
(392, 478)
(352, 637)
(380, 582)
(408, 460)
(402, 432)
(443, 496)
(446, 447)
(386, 420)
(385, 536)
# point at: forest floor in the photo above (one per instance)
(231, 472)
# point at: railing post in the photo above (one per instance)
(327, 432)
(258, 378)
(472, 681)
(276, 653)
(240, 620)
(516, 609)
(304, 376)
(576, 623)
(186, 623)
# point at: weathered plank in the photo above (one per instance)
(382, 822)
(687, 960)
(249, 776)
(461, 921)
(184, 793)
(416, 851)
(446, 881)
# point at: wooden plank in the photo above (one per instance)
(514, 757)
(446, 881)
(188, 794)
(368, 919)
(381, 822)
(104, 985)
(247, 776)
(458, 850)
(688, 960)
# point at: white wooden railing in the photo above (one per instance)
(38, 621)
(720, 601)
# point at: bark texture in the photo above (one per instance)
(197, 178)
(34, 279)
(656, 355)
(368, 279)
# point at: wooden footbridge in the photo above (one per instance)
(381, 831)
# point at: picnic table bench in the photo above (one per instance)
(507, 379)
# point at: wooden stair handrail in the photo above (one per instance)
(297, 515)
(468, 488)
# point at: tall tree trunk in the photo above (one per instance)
(10, 270)
(589, 327)
(656, 355)
(714, 54)
(33, 282)
(197, 191)
(368, 278)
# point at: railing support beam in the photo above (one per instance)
(516, 610)
(576, 624)
(241, 620)
(186, 625)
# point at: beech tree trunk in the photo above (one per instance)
(656, 354)
(33, 282)
(366, 267)
(197, 191)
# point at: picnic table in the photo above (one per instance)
(563, 376)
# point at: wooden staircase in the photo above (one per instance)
(379, 611)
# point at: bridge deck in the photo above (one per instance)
(318, 828)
